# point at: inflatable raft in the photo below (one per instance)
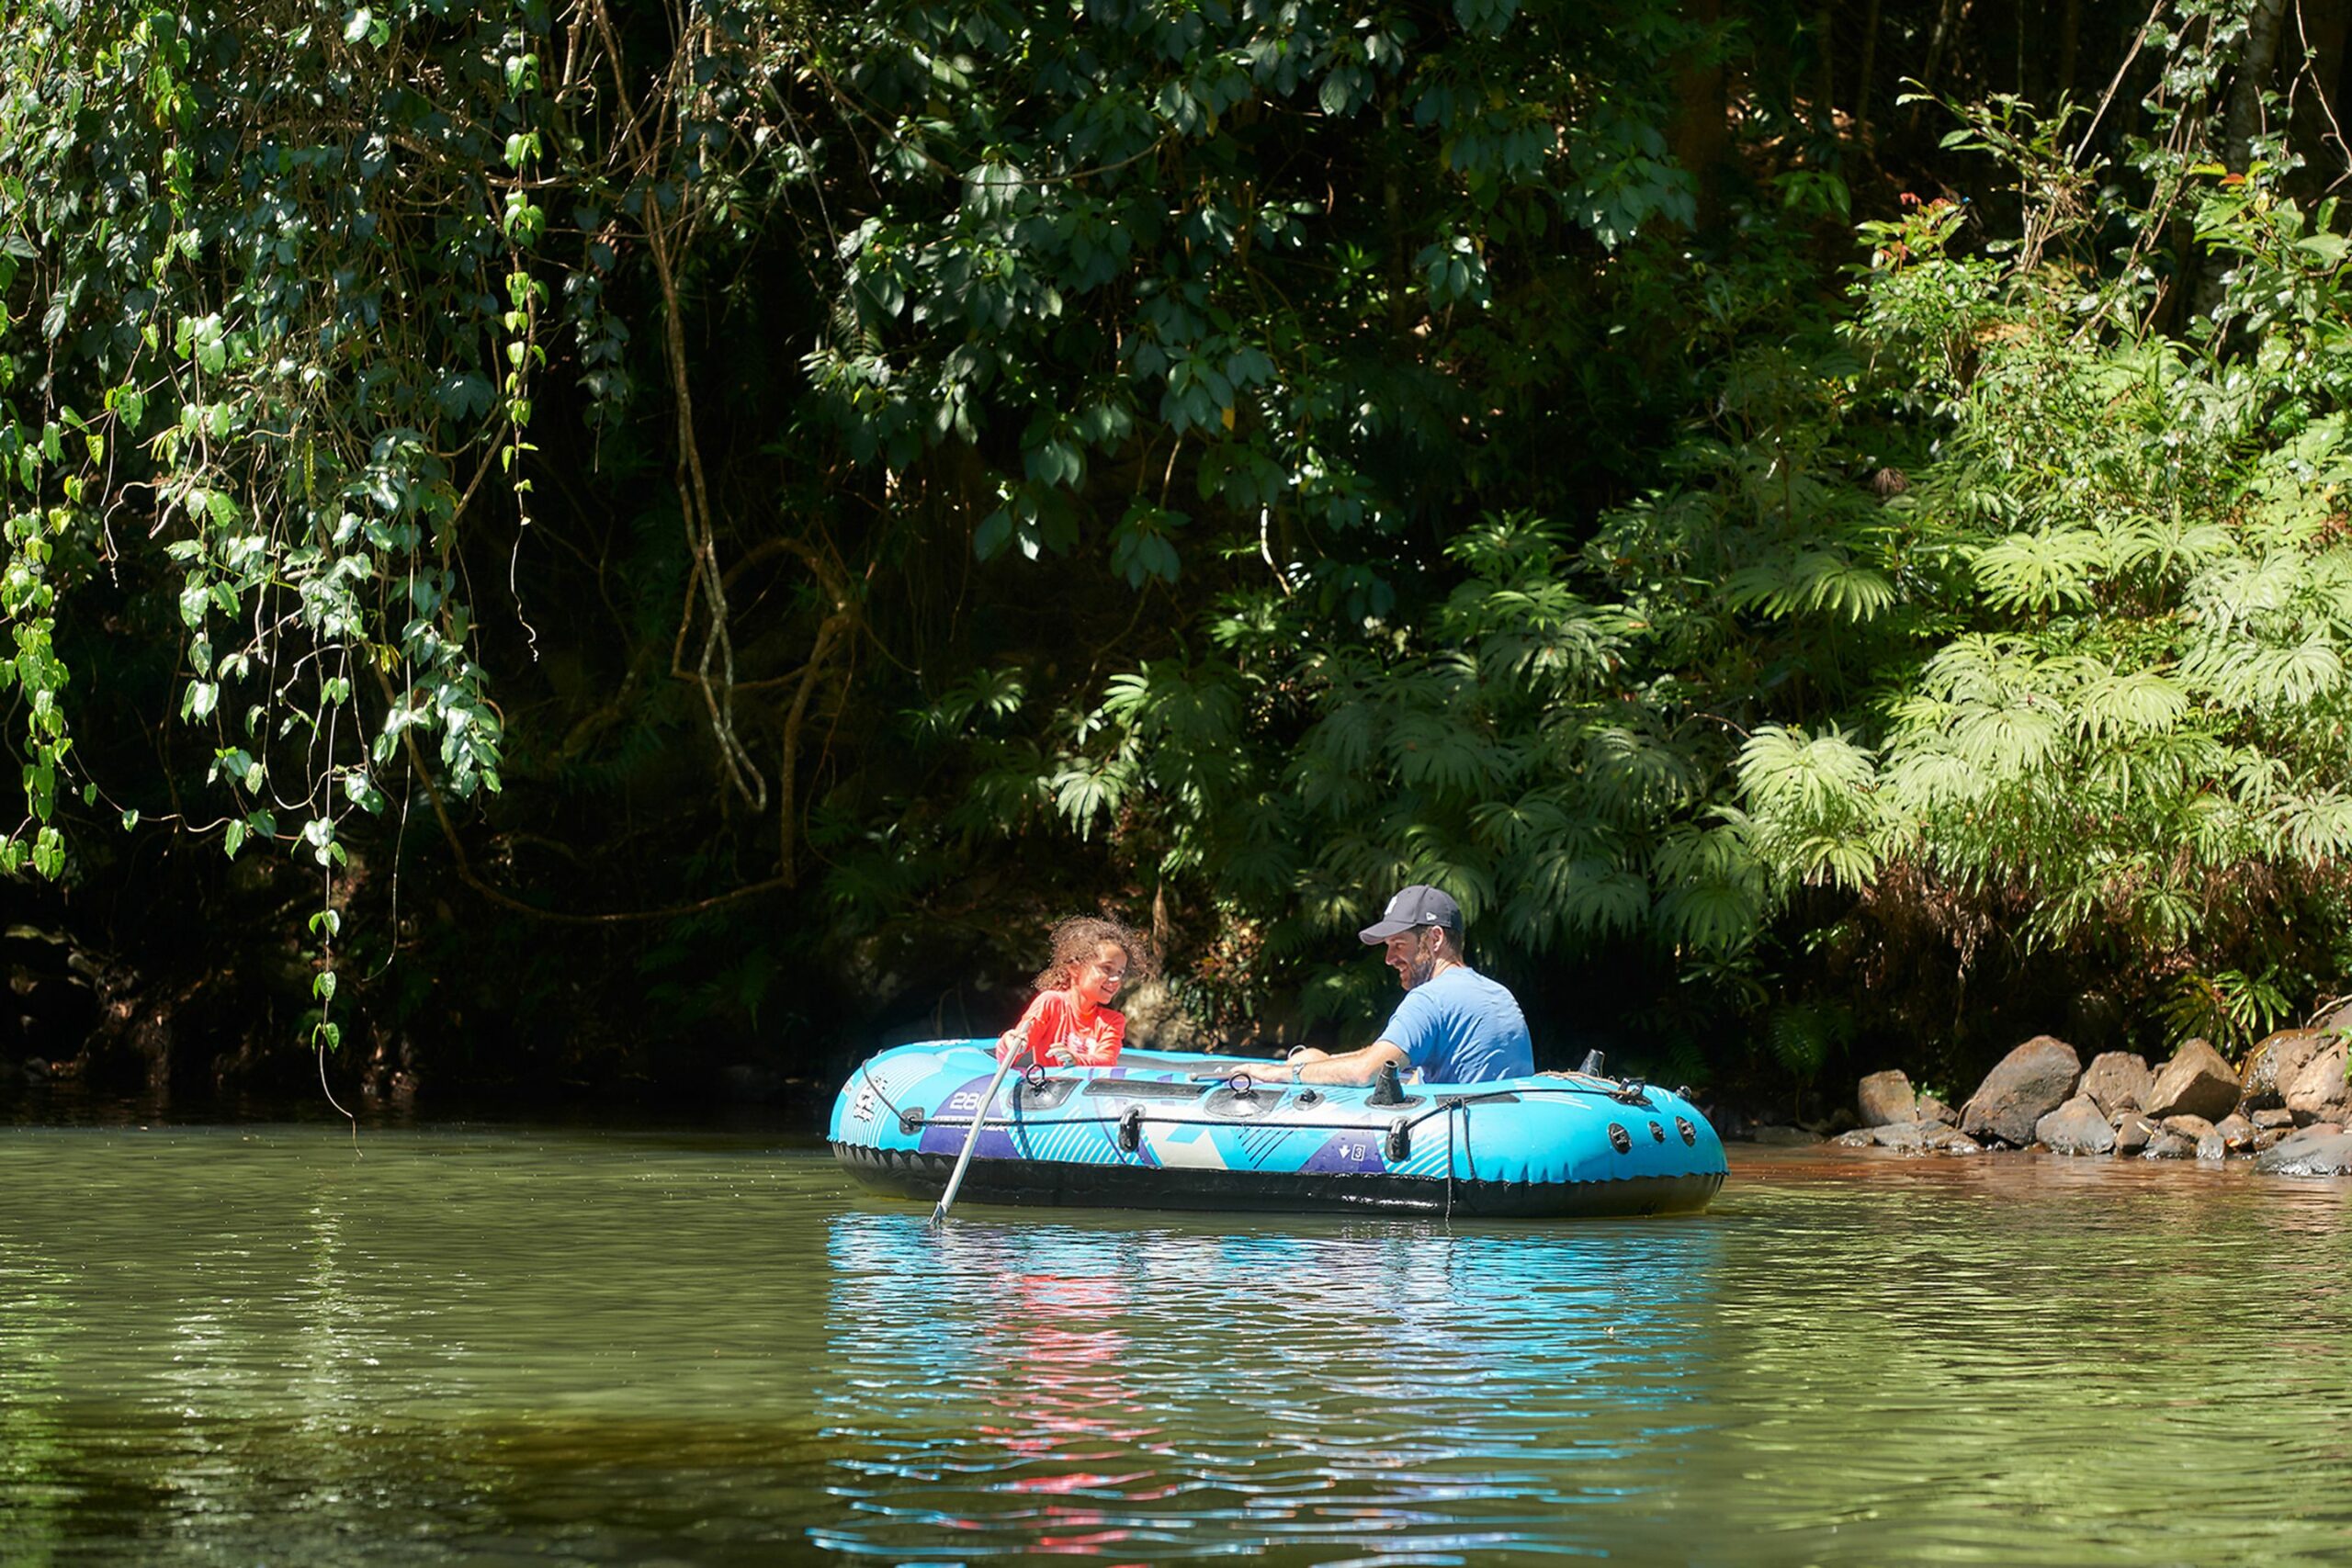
(1166, 1131)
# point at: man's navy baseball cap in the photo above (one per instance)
(1418, 905)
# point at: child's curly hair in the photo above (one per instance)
(1075, 939)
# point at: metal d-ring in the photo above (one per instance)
(1033, 1074)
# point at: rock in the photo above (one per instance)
(2190, 1127)
(2309, 1153)
(1784, 1137)
(1158, 1017)
(2274, 1063)
(2235, 1131)
(2270, 1138)
(1934, 1110)
(2210, 1149)
(1948, 1140)
(2026, 1085)
(2277, 1116)
(2165, 1144)
(1885, 1100)
(2318, 1092)
(2198, 1081)
(1859, 1138)
(2118, 1080)
(2132, 1132)
(1899, 1135)
(2078, 1127)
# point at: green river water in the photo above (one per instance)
(492, 1345)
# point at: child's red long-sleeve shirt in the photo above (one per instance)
(1051, 1024)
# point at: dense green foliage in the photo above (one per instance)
(622, 508)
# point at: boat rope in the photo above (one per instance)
(1011, 1121)
(1452, 1107)
(1446, 1106)
(865, 1071)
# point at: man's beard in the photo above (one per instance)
(1417, 972)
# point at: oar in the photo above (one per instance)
(971, 1142)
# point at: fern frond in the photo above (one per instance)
(1428, 750)
(1510, 826)
(2315, 828)
(2117, 707)
(2056, 569)
(1811, 580)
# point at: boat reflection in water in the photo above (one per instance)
(1109, 1386)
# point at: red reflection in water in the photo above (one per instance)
(1063, 1395)
(1064, 1400)
(1079, 1481)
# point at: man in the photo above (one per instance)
(1454, 1024)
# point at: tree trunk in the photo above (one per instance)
(1865, 73)
(1949, 18)
(1825, 36)
(2070, 38)
(1701, 134)
(2242, 121)
(2317, 131)
(2252, 79)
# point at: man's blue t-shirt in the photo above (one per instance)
(1461, 1027)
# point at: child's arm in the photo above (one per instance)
(1043, 1035)
(1018, 1045)
(1100, 1048)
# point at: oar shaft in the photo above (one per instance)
(971, 1142)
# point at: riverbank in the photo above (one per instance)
(2287, 1107)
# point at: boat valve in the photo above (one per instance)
(1130, 1129)
(1387, 1090)
(911, 1120)
(1400, 1133)
(1633, 1092)
(1594, 1065)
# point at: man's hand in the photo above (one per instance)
(1282, 1071)
(1307, 1064)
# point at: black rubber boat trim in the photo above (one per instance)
(1067, 1185)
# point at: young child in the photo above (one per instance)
(1072, 1023)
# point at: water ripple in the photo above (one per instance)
(472, 1346)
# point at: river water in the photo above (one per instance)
(488, 1344)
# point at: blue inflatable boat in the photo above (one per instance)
(1169, 1131)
